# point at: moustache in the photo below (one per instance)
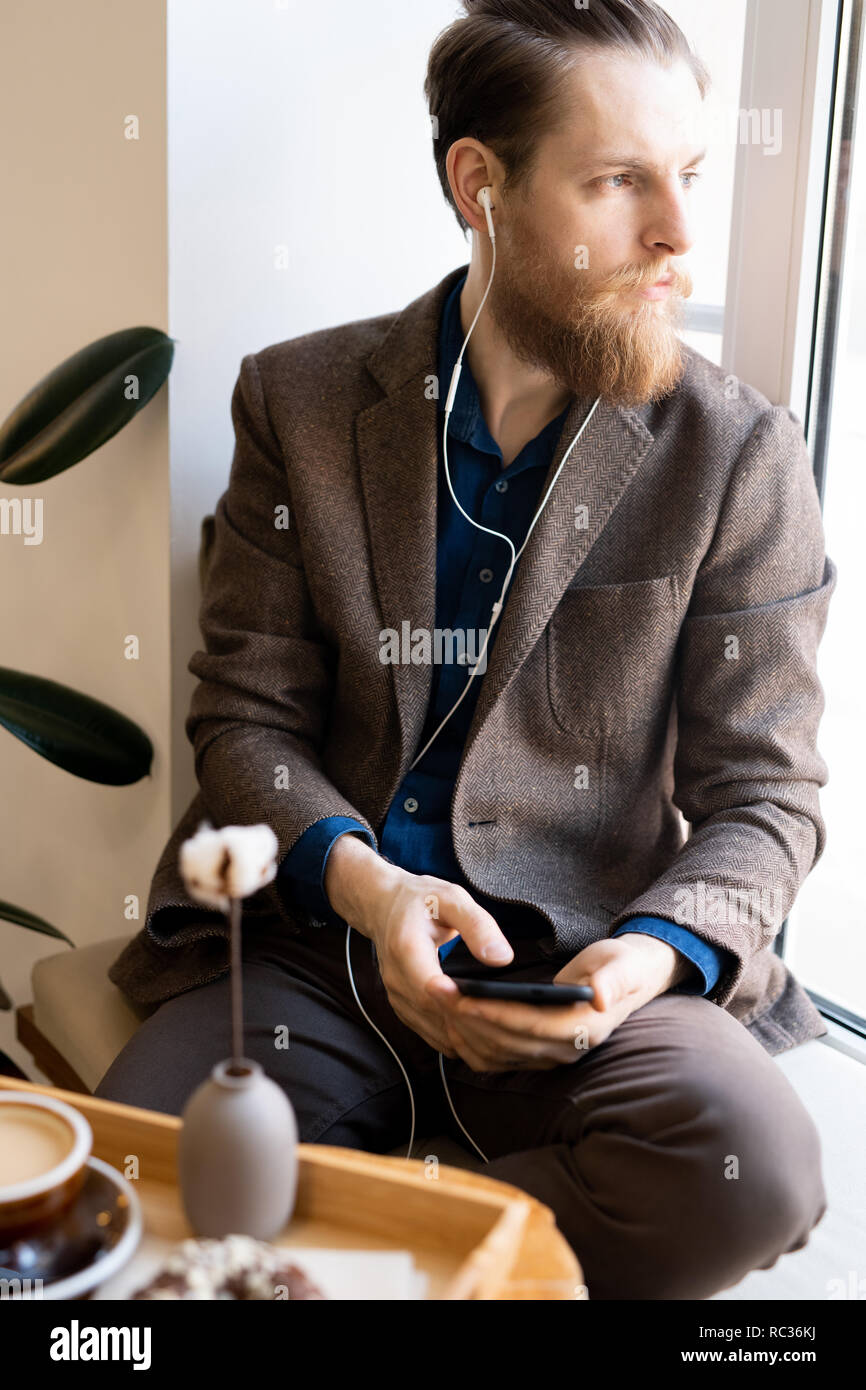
(680, 281)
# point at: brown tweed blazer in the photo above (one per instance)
(656, 655)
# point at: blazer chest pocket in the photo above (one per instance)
(610, 653)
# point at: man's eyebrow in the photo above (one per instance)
(626, 161)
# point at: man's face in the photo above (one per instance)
(579, 242)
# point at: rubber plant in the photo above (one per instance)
(70, 413)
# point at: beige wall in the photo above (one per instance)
(83, 252)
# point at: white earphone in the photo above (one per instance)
(484, 199)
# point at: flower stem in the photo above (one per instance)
(237, 996)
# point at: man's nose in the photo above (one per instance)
(669, 228)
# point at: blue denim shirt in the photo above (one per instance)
(470, 570)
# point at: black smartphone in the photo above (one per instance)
(524, 993)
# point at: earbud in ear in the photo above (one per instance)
(484, 199)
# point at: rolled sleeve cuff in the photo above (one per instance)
(708, 959)
(301, 874)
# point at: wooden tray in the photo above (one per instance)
(474, 1238)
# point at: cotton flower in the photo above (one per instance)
(233, 862)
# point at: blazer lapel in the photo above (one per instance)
(598, 470)
(396, 441)
(398, 460)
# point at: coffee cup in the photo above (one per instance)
(44, 1148)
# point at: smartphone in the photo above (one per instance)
(525, 993)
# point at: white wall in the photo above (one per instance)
(82, 254)
(296, 126)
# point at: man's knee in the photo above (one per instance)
(773, 1172)
(745, 1188)
(716, 1180)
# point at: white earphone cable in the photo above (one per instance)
(483, 1155)
(497, 609)
(384, 1039)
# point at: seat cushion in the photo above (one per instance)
(81, 1013)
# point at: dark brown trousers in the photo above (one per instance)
(676, 1155)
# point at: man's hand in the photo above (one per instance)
(408, 917)
(502, 1035)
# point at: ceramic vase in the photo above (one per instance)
(237, 1154)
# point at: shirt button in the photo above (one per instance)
(410, 804)
(501, 485)
(485, 576)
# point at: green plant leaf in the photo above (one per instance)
(81, 404)
(79, 734)
(22, 918)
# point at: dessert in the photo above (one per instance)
(236, 1267)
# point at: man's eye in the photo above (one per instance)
(615, 180)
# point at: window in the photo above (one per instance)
(716, 32)
(826, 938)
(795, 310)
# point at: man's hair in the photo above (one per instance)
(497, 74)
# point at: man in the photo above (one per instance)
(655, 655)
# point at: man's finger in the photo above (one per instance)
(496, 1040)
(611, 982)
(479, 930)
(490, 1051)
(443, 987)
(520, 1047)
(550, 1021)
(435, 1037)
(418, 958)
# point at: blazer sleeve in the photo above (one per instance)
(746, 768)
(257, 716)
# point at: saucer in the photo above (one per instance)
(89, 1243)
